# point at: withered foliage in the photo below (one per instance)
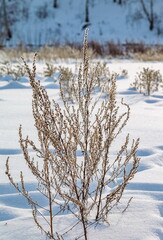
(75, 147)
(147, 81)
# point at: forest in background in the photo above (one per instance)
(45, 22)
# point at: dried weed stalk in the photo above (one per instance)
(148, 81)
(80, 169)
(50, 70)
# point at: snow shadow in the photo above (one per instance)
(142, 168)
(130, 91)
(9, 188)
(50, 79)
(121, 77)
(160, 147)
(52, 86)
(145, 187)
(158, 96)
(18, 201)
(8, 151)
(14, 85)
(160, 234)
(57, 211)
(151, 101)
(5, 214)
(23, 80)
(144, 152)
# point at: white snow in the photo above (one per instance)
(143, 220)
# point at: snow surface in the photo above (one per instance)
(108, 21)
(143, 220)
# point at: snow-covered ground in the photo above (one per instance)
(143, 220)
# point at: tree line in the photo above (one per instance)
(8, 15)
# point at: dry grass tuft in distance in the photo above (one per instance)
(17, 71)
(148, 81)
(49, 70)
(150, 55)
(45, 53)
(80, 168)
(108, 49)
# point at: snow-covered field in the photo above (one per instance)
(143, 220)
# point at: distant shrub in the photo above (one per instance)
(50, 70)
(16, 71)
(56, 51)
(96, 47)
(155, 54)
(147, 81)
(65, 80)
(103, 76)
(124, 73)
(132, 47)
(99, 71)
(114, 49)
(19, 72)
(6, 69)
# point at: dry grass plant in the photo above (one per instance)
(114, 49)
(136, 48)
(103, 77)
(150, 55)
(16, 71)
(6, 69)
(54, 52)
(83, 181)
(50, 70)
(97, 48)
(13, 55)
(60, 52)
(100, 71)
(148, 81)
(46, 53)
(124, 73)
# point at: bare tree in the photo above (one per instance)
(118, 1)
(86, 24)
(6, 20)
(55, 4)
(10, 12)
(86, 11)
(149, 13)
